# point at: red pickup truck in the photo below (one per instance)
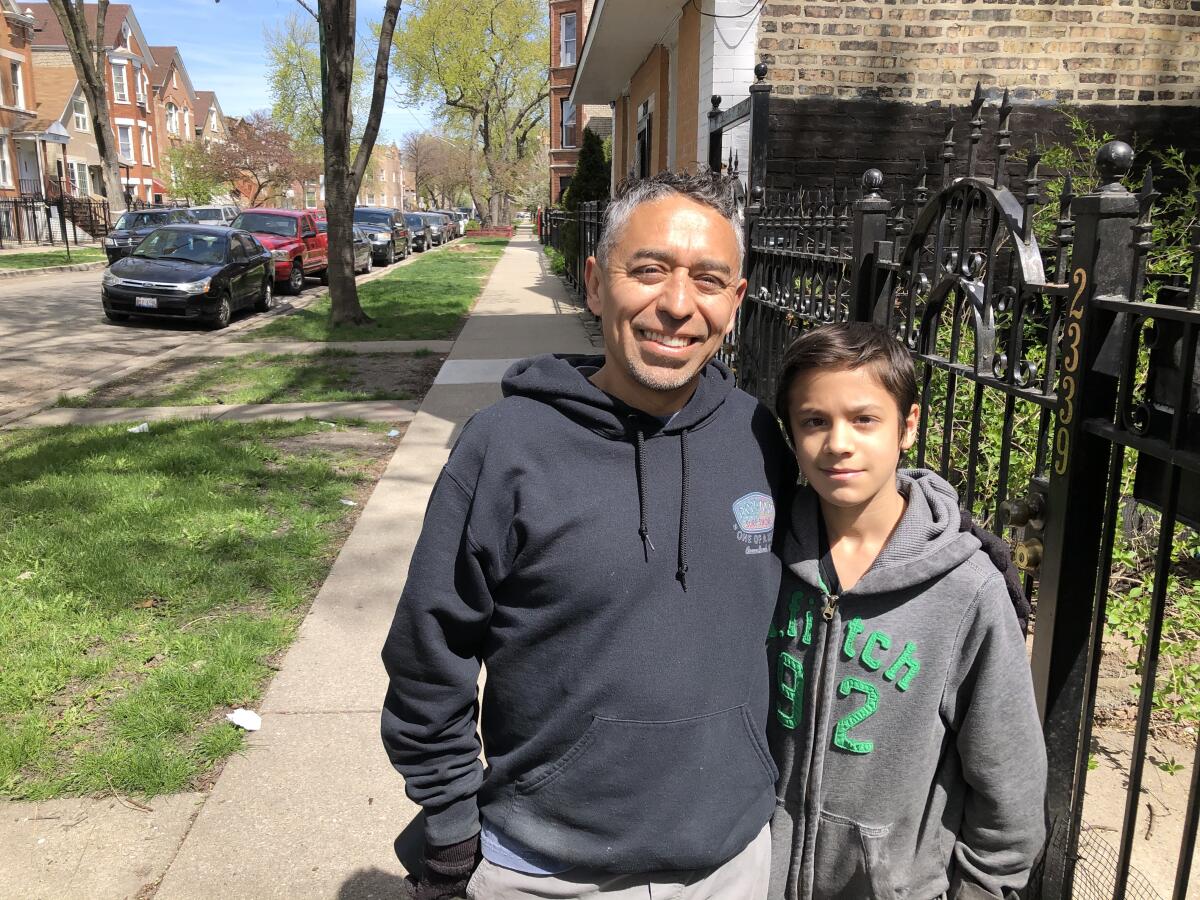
(296, 245)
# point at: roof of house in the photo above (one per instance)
(162, 62)
(49, 33)
(206, 100)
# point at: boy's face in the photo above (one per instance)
(848, 434)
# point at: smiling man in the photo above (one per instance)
(601, 540)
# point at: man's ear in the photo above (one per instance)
(739, 294)
(591, 278)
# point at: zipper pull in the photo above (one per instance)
(831, 601)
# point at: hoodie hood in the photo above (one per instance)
(562, 382)
(927, 542)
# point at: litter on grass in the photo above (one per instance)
(346, 502)
(246, 719)
(139, 429)
(323, 422)
(394, 433)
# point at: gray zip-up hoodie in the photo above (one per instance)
(903, 721)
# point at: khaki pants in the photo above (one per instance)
(744, 877)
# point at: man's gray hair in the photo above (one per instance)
(709, 189)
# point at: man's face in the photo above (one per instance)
(666, 297)
(848, 435)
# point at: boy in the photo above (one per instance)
(903, 722)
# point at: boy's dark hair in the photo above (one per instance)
(849, 345)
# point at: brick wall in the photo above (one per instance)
(650, 81)
(1062, 51)
(687, 93)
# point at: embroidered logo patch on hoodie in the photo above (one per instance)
(754, 514)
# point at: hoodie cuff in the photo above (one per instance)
(452, 824)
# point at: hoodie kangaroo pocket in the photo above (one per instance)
(851, 861)
(638, 796)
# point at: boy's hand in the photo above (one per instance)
(447, 870)
(1000, 554)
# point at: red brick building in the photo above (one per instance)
(568, 24)
(175, 107)
(131, 102)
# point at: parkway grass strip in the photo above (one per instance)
(426, 300)
(146, 581)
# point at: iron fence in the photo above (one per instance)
(64, 221)
(575, 235)
(1051, 388)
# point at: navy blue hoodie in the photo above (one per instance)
(615, 576)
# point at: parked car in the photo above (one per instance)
(389, 235)
(436, 227)
(135, 225)
(449, 223)
(291, 235)
(459, 221)
(362, 250)
(215, 215)
(419, 233)
(199, 272)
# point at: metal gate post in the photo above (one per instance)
(1101, 260)
(871, 213)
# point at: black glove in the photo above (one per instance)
(447, 871)
(1000, 554)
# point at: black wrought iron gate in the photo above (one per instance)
(1056, 384)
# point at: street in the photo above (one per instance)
(53, 333)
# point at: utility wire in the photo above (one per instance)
(757, 6)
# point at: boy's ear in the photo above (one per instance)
(911, 423)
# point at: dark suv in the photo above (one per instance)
(134, 225)
(389, 236)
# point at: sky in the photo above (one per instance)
(222, 47)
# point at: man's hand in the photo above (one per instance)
(1000, 554)
(447, 870)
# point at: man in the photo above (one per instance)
(601, 540)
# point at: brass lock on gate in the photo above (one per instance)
(1026, 516)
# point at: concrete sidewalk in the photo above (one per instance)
(313, 807)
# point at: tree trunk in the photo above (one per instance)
(89, 56)
(342, 178)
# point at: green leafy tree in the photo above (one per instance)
(593, 173)
(198, 173)
(485, 64)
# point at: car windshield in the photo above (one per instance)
(414, 221)
(207, 215)
(322, 226)
(188, 246)
(133, 220)
(266, 223)
(372, 217)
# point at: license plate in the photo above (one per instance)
(146, 302)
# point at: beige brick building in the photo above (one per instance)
(1085, 52)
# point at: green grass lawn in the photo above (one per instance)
(329, 376)
(425, 300)
(41, 259)
(145, 583)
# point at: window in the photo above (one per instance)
(126, 31)
(139, 82)
(79, 105)
(568, 123)
(120, 88)
(187, 123)
(125, 140)
(145, 146)
(563, 184)
(172, 119)
(77, 172)
(174, 79)
(18, 85)
(566, 39)
(5, 164)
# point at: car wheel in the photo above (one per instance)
(295, 282)
(325, 275)
(116, 316)
(367, 267)
(266, 300)
(223, 315)
(391, 254)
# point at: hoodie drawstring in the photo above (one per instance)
(682, 571)
(639, 451)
